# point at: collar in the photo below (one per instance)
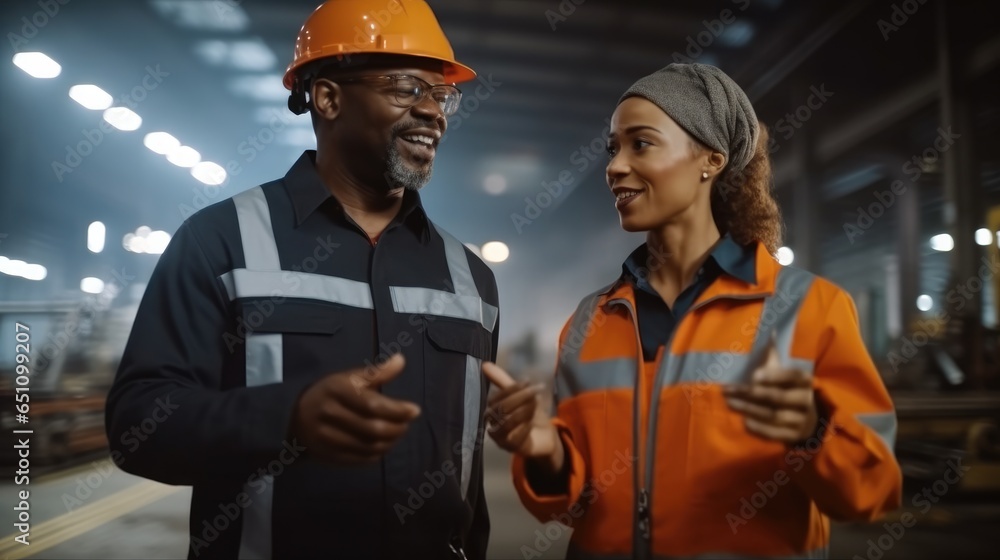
(728, 256)
(308, 193)
(749, 271)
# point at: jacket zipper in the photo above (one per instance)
(643, 479)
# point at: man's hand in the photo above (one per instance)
(779, 404)
(518, 424)
(343, 419)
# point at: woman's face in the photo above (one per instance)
(655, 172)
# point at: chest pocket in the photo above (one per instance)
(457, 336)
(289, 316)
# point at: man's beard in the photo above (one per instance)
(398, 173)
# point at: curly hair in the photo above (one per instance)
(743, 204)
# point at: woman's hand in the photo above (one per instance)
(779, 403)
(517, 424)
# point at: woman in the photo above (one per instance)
(710, 401)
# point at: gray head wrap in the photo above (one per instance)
(706, 103)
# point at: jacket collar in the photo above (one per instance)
(726, 286)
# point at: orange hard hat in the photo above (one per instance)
(345, 27)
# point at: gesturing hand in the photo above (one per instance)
(343, 419)
(779, 403)
(518, 424)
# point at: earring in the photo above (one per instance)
(704, 175)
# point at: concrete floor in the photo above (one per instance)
(96, 511)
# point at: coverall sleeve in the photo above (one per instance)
(167, 417)
(549, 502)
(853, 474)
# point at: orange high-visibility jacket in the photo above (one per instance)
(661, 466)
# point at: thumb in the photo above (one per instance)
(375, 375)
(497, 375)
(771, 356)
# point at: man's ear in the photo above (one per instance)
(327, 97)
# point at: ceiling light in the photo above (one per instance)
(37, 64)
(91, 97)
(123, 118)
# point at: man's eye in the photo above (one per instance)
(408, 91)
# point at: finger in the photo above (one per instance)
(501, 394)
(341, 445)
(363, 428)
(776, 397)
(526, 393)
(781, 376)
(787, 417)
(497, 375)
(374, 375)
(520, 415)
(515, 439)
(772, 432)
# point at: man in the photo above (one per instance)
(307, 354)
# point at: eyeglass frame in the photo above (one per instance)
(394, 77)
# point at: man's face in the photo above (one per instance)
(384, 142)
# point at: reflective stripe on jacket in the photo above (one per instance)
(679, 474)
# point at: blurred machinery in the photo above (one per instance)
(74, 351)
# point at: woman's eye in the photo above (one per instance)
(610, 150)
(639, 144)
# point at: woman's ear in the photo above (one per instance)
(326, 97)
(715, 163)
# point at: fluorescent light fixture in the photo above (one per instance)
(34, 272)
(210, 173)
(91, 285)
(942, 242)
(21, 269)
(95, 237)
(983, 237)
(143, 231)
(251, 55)
(137, 244)
(37, 65)
(199, 14)
(91, 97)
(785, 256)
(184, 156)
(495, 251)
(123, 118)
(495, 184)
(925, 302)
(157, 242)
(161, 142)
